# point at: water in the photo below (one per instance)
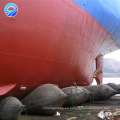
(115, 80)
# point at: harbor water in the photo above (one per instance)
(106, 80)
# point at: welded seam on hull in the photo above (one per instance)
(45, 28)
(110, 31)
(93, 18)
(33, 58)
(28, 57)
(55, 32)
(50, 29)
(40, 27)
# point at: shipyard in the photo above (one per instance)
(51, 54)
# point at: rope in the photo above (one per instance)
(26, 112)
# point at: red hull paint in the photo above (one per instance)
(49, 41)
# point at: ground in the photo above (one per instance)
(87, 111)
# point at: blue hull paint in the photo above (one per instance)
(106, 12)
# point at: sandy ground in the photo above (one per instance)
(87, 111)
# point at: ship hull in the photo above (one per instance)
(52, 41)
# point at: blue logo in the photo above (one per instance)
(11, 13)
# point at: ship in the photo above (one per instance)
(54, 41)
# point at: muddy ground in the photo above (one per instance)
(87, 111)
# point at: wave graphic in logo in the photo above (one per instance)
(11, 13)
